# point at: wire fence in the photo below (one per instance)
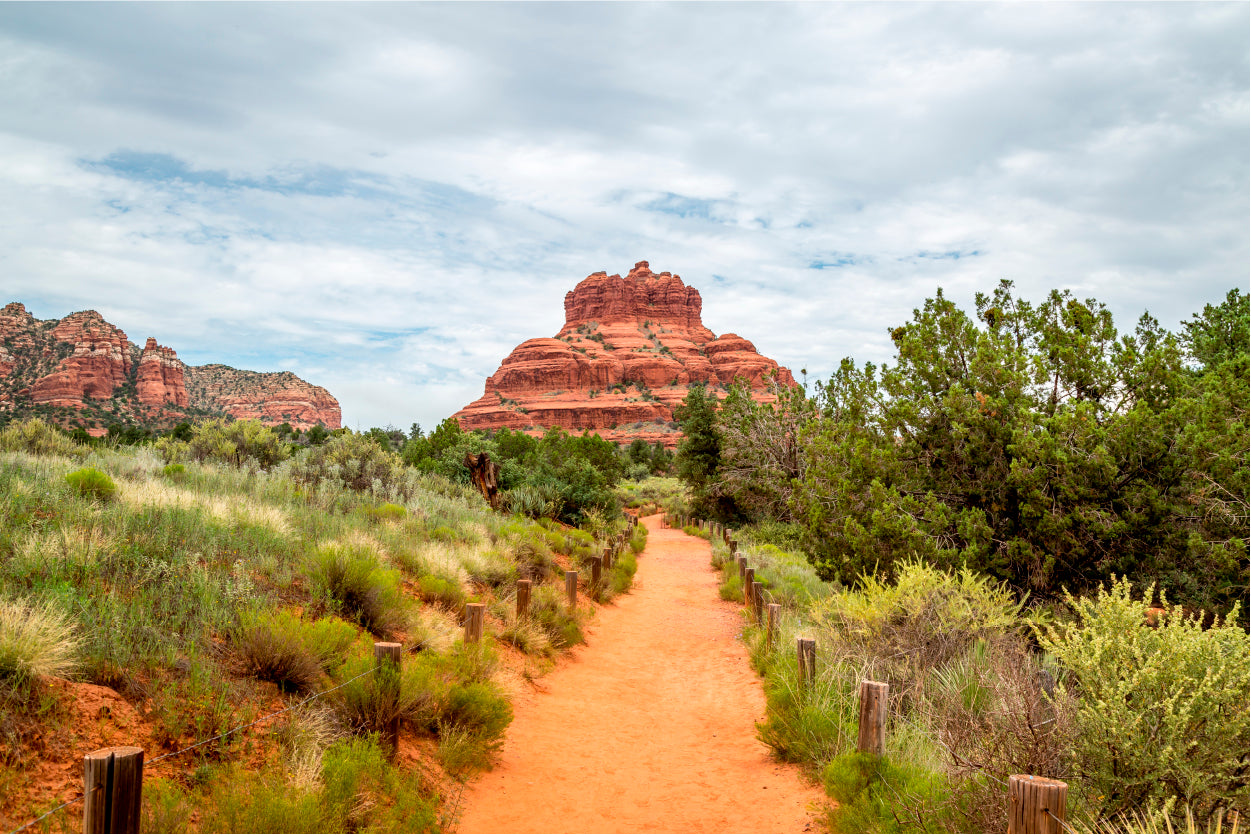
(371, 671)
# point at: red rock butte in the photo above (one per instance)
(627, 355)
(84, 364)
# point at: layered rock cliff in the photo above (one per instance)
(83, 371)
(272, 398)
(628, 352)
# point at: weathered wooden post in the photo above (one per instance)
(387, 677)
(771, 632)
(523, 598)
(742, 568)
(597, 574)
(112, 789)
(1036, 804)
(873, 703)
(571, 590)
(473, 622)
(733, 547)
(807, 649)
(757, 601)
(749, 580)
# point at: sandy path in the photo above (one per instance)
(651, 726)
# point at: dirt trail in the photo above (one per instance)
(651, 726)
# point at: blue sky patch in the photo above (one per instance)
(680, 205)
(836, 260)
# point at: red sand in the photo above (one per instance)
(651, 726)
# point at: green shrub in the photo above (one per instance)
(356, 462)
(359, 792)
(476, 707)
(368, 703)
(36, 639)
(388, 512)
(440, 591)
(620, 577)
(732, 587)
(279, 647)
(812, 725)
(236, 443)
(92, 483)
(638, 540)
(692, 530)
(903, 630)
(533, 558)
(875, 794)
(174, 472)
(39, 438)
(173, 450)
(549, 609)
(358, 587)
(1162, 715)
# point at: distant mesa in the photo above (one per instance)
(83, 370)
(627, 355)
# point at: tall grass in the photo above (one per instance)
(205, 591)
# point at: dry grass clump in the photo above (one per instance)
(36, 639)
(303, 738)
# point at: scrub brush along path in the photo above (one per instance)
(651, 727)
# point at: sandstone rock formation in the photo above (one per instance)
(626, 356)
(83, 371)
(272, 398)
(160, 379)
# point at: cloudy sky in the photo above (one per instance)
(386, 198)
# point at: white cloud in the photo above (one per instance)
(389, 197)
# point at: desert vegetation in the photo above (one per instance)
(1034, 528)
(232, 573)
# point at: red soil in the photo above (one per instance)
(649, 728)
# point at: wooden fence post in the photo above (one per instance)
(597, 574)
(749, 579)
(523, 598)
(807, 650)
(473, 622)
(742, 568)
(1036, 804)
(387, 675)
(733, 547)
(771, 632)
(757, 601)
(571, 590)
(873, 703)
(112, 789)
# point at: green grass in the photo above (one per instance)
(203, 591)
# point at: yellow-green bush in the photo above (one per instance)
(1162, 714)
(92, 483)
